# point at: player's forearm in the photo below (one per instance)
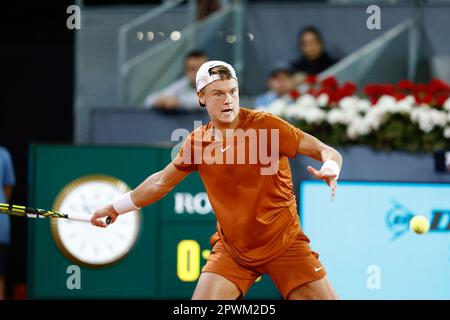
(316, 149)
(150, 190)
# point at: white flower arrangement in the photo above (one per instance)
(447, 132)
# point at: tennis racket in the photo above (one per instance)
(21, 211)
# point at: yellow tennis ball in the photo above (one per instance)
(419, 224)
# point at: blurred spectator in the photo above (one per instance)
(206, 7)
(182, 93)
(314, 58)
(281, 85)
(7, 180)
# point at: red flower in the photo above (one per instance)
(441, 99)
(333, 98)
(294, 94)
(420, 88)
(406, 85)
(437, 86)
(311, 79)
(445, 86)
(434, 93)
(348, 89)
(433, 86)
(388, 89)
(312, 91)
(418, 98)
(330, 82)
(423, 98)
(328, 91)
(372, 90)
(427, 99)
(374, 100)
(399, 96)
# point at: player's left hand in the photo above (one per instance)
(328, 176)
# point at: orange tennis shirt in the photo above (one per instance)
(256, 213)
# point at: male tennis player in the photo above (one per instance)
(242, 157)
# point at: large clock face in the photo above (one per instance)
(84, 243)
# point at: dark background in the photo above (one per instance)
(36, 98)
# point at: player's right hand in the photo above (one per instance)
(326, 175)
(107, 211)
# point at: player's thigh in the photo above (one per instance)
(212, 286)
(296, 266)
(315, 290)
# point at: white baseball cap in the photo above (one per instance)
(203, 77)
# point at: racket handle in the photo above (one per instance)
(84, 218)
(79, 217)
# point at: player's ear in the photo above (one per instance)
(201, 97)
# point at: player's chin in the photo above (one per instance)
(227, 117)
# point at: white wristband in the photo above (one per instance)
(124, 204)
(333, 166)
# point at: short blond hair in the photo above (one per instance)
(222, 71)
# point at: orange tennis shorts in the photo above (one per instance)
(296, 266)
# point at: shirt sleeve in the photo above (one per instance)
(150, 100)
(8, 177)
(289, 135)
(184, 160)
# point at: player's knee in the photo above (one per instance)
(212, 286)
(316, 290)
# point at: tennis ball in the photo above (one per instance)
(419, 224)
